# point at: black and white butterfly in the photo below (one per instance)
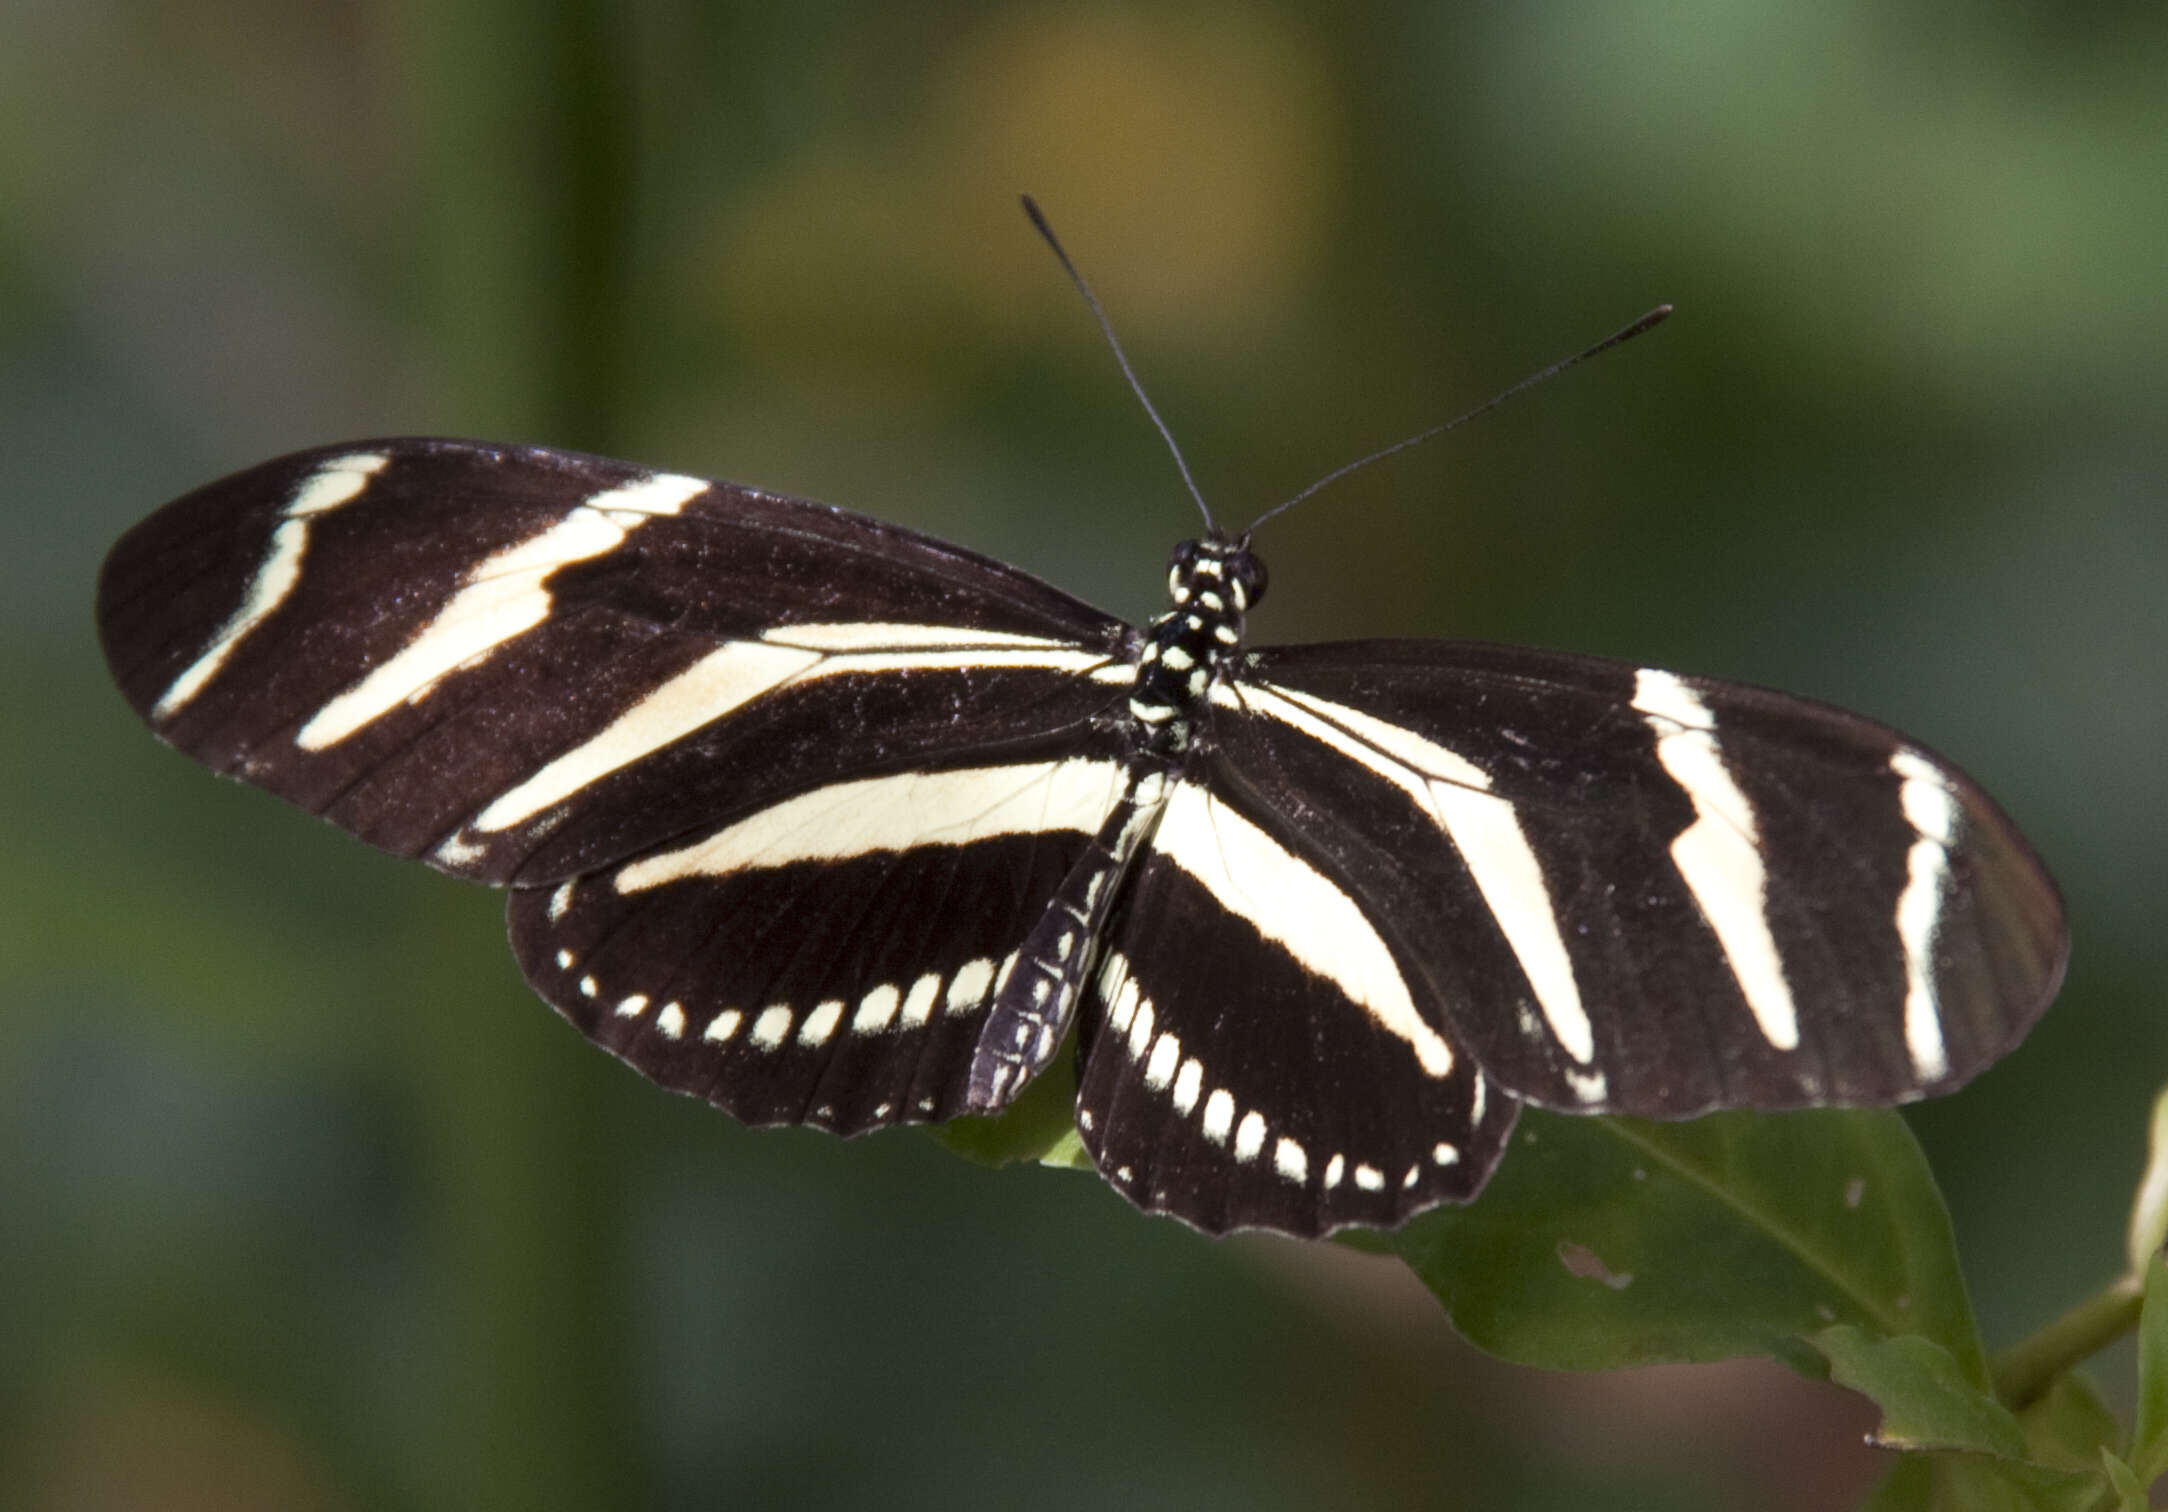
(829, 822)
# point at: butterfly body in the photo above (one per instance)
(828, 822)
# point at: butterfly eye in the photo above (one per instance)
(1183, 558)
(1248, 573)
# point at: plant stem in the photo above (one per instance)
(519, 113)
(2023, 1372)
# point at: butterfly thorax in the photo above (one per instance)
(1212, 584)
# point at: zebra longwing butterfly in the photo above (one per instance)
(832, 823)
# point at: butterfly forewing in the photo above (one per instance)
(520, 663)
(1637, 893)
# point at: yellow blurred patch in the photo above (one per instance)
(123, 1437)
(1191, 163)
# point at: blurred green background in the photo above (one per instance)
(304, 1202)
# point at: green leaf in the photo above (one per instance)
(1910, 1486)
(1969, 1483)
(2129, 1490)
(1983, 1458)
(1925, 1399)
(2069, 1426)
(1957, 1482)
(1605, 1242)
(2149, 1434)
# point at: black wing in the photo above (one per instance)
(1626, 891)
(598, 684)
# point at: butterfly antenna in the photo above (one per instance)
(1031, 208)
(1650, 321)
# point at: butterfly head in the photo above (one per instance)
(1227, 570)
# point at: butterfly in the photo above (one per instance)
(829, 822)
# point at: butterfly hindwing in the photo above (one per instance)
(828, 958)
(1247, 1056)
(1638, 893)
